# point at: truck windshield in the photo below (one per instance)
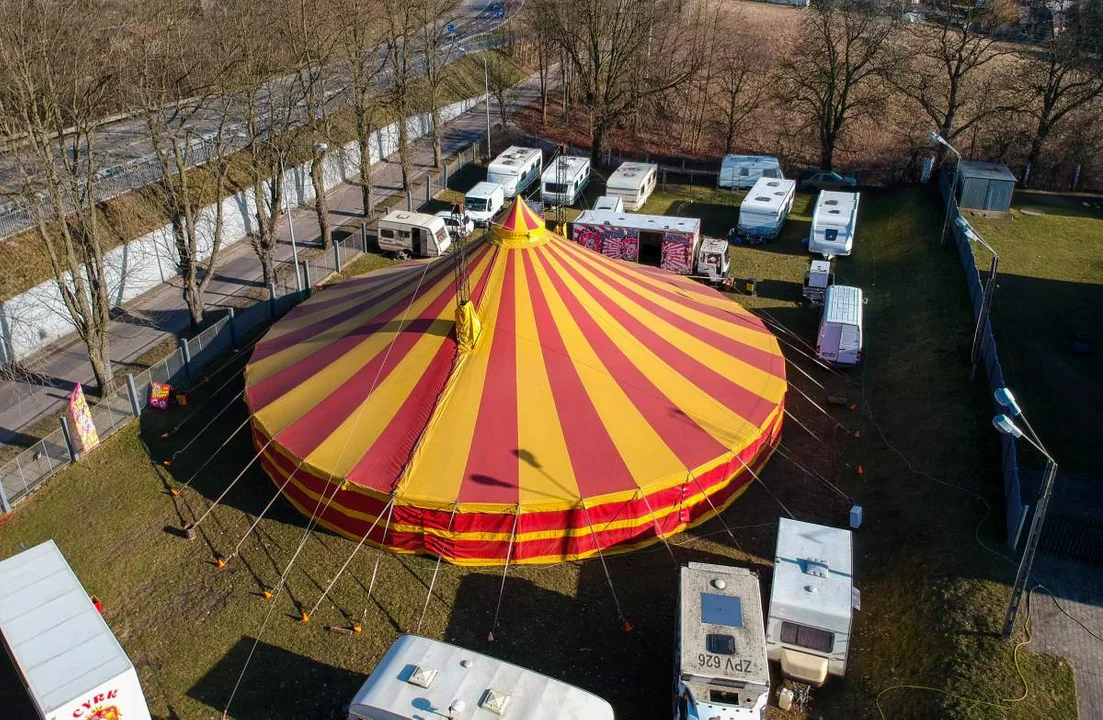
(476, 204)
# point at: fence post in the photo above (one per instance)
(337, 254)
(7, 349)
(232, 321)
(409, 201)
(187, 357)
(132, 394)
(306, 277)
(445, 183)
(428, 188)
(363, 237)
(68, 433)
(272, 299)
(4, 504)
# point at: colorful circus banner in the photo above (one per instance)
(82, 419)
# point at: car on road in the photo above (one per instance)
(813, 180)
(462, 225)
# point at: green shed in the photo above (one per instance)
(982, 185)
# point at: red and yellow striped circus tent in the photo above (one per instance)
(601, 406)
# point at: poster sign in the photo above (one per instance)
(159, 395)
(82, 419)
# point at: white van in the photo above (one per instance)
(765, 209)
(720, 667)
(564, 180)
(833, 224)
(515, 169)
(743, 171)
(811, 602)
(421, 678)
(484, 201)
(413, 233)
(840, 337)
(633, 182)
(608, 203)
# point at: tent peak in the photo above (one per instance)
(521, 228)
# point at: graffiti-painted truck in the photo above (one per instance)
(66, 656)
(672, 243)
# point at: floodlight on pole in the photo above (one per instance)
(1005, 425)
(951, 199)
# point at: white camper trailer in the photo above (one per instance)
(564, 180)
(811, 602)
(419, 677)
(484, 201)
(833, 224)
(515, 169)
(608, 203)
(839, 340)
(743, 171)
(633, 183)
(719, 645)
(414, 234)
(67, 657)
(765, 209)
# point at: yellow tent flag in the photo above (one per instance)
(468, 327)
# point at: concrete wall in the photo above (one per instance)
(30, 321)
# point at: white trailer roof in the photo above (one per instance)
(767, 195)
(411, 218)
(419, 676)
(813, 575)
(483, 189)
(843, 305)
(630, 175)
(636, 221)
(564, 168)
(512, 158)
(59, 641)
(721, 614)
(834, 209)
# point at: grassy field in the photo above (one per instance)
(932, 596)
(1050, 287)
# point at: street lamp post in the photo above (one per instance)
(486, 90)
(951, 200)
(989, 291)
(1007, 426)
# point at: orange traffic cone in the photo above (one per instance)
(305, 618)
(174, 492)
(267, 594)
(490, 637)
(219, 563)
(167, 463)
(861, 471)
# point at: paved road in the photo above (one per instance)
(161, 314)
(125, 142)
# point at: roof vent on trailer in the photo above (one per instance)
(422, 676)
(495, 701)
(815, 567)
(772, 183)
(762, 198)
(830, 202)
(833, 212)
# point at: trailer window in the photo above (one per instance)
(723, 697)
(806, 637)
(720, 644)
(386, 233)
(556, 187)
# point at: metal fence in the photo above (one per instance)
(1014, 509)
(33, 466)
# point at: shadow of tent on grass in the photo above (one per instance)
(280, 684)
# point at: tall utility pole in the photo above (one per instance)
(486, 88)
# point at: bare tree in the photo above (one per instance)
(433, 17)
(621, 53)
(401, 16)
(58, 84)
(501, 75)
(944, 61)
(1065, 74)
(841, 52)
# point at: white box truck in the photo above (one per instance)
(839, 340)
(720, 667)
(764, 211)
(67, 657)
(483, 202)
(811, 602)
(413, 233)
(738, 172)
(515, 169)
(633, 183)
(419, 677)
(834, 222)
(564, 180)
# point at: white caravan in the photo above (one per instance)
(608, 203)
(515, 169)
(811, 602)
(413, 233)
(765, 209)
(833, 224)
(564, 180)
(484, 201)
(839, 340)
(633, 182)
(720, 667)
(419, 677)
(65, 654)
(743, 171)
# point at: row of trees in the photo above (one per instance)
(229, 94)
(695, 72)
